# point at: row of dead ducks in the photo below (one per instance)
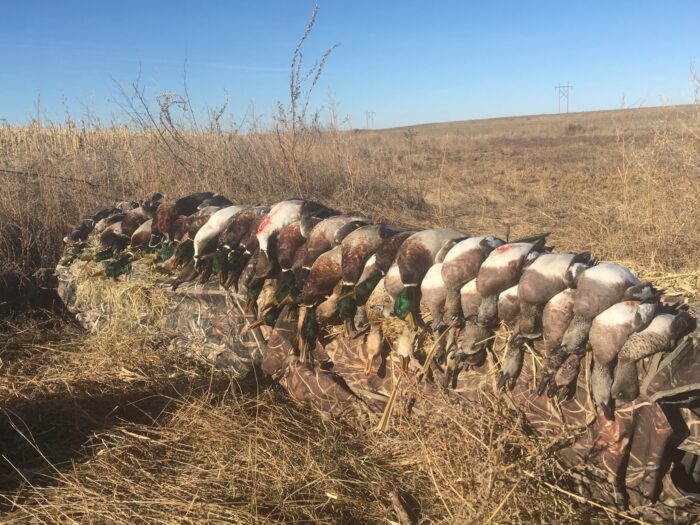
(343, 267)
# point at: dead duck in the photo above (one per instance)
(114, 238)
(414, 258)
(357, 248)
(609, 332)
(280, 215)
(322, 279)
(662, 334)
(499, 271)
(324, 235)
(142, 236)
(289, 251)
(216, 200)
(597, 288)
(191, 203)
(238, 242)
(311, 214)
(461, 265)
(383, 259)
(205, 240)
(556, 316)
(540, 281)
(378, 308)
(433, 294)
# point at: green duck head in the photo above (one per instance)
(347, 306)
(407, 302)
(104, 254)
(285, 286)
(165, 253)
(119, 266)
(309, 327)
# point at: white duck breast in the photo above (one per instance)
(544, 278)
(392, 281)
(213, 227)
(556, 317)
(370, 266)
(611, 328)
(502, 268)
(433, 292)
(280, 215)
(462, 262)
(509, 305)
(600, 287)
(470, 299)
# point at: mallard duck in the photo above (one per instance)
(415, 257)
(547, 276)
(323, 235)
(238, 241)
(378, 308)
(392, 282)
(80, 232)
(662, 334)
(357, 248)
(104, 223)
(289, 251)
(609, 331)
(384, 257)
(597, 288)
(206, 238)
(323, 277)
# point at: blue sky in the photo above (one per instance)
(408, 61)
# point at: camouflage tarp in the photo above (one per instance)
(644, 461)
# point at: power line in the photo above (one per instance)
(369, 118)
(563, 93)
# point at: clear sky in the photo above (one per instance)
(408, 61)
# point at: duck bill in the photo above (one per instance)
(404, 361)
(608, 410)
(449, 377)
(369, 364)
(544, 383)
(251, 326)
(502, 381)
(411, 321)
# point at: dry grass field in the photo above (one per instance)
(98, 429)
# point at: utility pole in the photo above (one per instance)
(369, 118)
(563, 93)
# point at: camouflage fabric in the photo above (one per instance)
(201, 320)
(646, 460)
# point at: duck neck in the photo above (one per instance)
(576, 334)
(488, 311)
(530, 318)
(453, 306)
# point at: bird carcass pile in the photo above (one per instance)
(363, 318)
